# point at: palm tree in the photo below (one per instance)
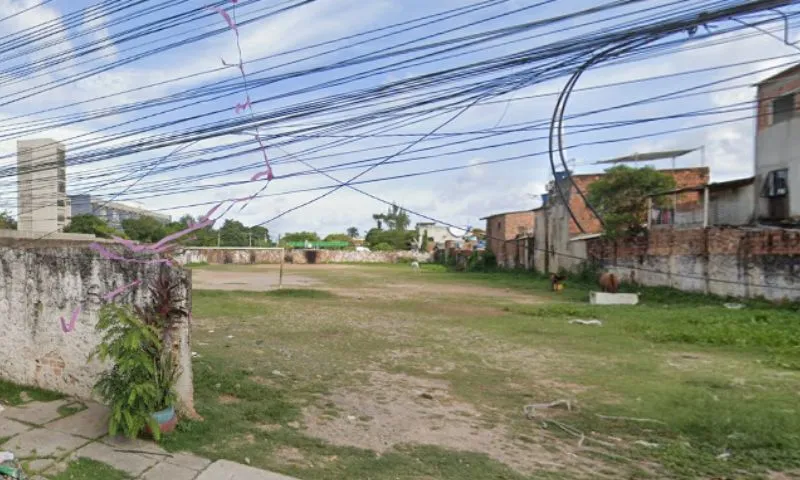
(352, 232)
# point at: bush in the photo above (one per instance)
(383, 247)
(481, 261)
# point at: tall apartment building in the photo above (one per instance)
(41, 186)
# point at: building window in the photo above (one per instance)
(61, 187)
(776, 184)
(783, 108)
(61, 218)
(60, 203)
(498, 224)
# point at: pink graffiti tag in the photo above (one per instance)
(240, 107)
(110, 295)
(68, 327)
(227, 18)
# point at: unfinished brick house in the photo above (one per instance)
(684, 178)
(503, 228)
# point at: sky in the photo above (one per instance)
(479, 183)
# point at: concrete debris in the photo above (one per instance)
(593, 321)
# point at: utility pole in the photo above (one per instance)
(250, 238)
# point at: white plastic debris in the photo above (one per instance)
(278, 373)
(230, 336)
(195, 354)
(6, 457)
(593, 321)
(734, 306)
(646, 444)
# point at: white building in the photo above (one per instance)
(41, 186)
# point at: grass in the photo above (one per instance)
(10, 393)
(714, 381)
(86, 469)
(71, 409)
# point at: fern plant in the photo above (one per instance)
(142, 378)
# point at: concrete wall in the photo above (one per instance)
(41, 283)
(241, 256)
(732, 206)
(740, 262)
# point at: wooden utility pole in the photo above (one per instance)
(280, 275)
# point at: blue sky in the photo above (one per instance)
(459, 196)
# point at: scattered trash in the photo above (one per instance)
(247, 460)
(630, 419)
(211, 331)
(195, 354)
(426, 396)
(734, 306)
(352, 418)
(9, 468)
(724, 456)
(218, 386)
(230, 336)
(278, 373)
(646, 444)
(593, 321)
(530, 410)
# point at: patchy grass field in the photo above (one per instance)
(377, 372)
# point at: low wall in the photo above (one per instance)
(41, 283)
(239, 256)
(740, 262)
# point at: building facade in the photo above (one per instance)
(112, 212)
(777, 156)
(42, 202)
(502, 229)
(437, 234)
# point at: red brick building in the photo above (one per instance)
(503, 228)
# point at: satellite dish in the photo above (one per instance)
(456, 232)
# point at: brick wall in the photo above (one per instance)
(782, 84)
(684, 177)
(502, 230)
(745, 262)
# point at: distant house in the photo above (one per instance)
(727, 203)
(437, 234)
(112, 212)
(503, 228)
(777, 161)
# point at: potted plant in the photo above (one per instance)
(139, 388)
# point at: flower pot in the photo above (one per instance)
(167, 420)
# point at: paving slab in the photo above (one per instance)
(169, 471)
(187, 460)
(42, 443)
(9, 428)
(39, 465)
(225, 470)
(36, 413)
(131, 463)
(145, 448)
(91, 423)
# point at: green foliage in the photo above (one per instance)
(7, 222)
(620, 196)
(10, 393)
(144, 229)
(396, 239)
(134, 387)
(338, 237)
(300, 237)
(383, 247)
(394, 219)
(481, 261)
(424, 244)
(86, 469)
(92, 225)
(352, 232)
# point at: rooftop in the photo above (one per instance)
(507, 213)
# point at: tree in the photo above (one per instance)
(260, 236)
(144, 229)
(619, 196)
(7, 222)
(352, 232)
(234, 234)
(338, 237)
(92, 225)
(300, 237)
(397, 239)
(395, 219)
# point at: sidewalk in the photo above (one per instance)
(45, 441)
